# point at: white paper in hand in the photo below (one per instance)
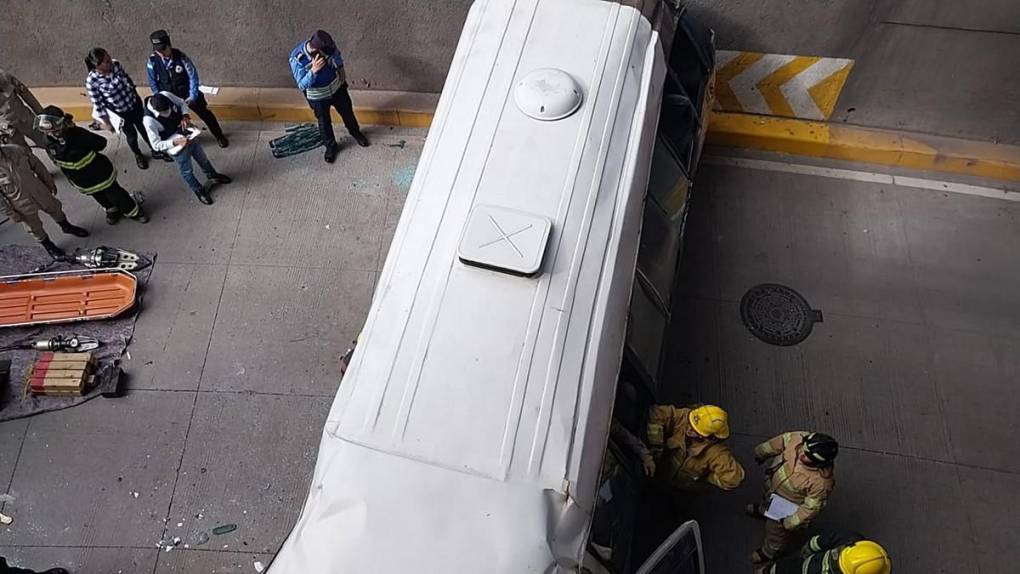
(192, 134)
(780, 508)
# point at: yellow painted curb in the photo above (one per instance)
(786, 135)
(279, 105)
(838, 141)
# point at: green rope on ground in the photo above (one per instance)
(298, 139)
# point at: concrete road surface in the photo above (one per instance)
(914, 369)
(234, 364)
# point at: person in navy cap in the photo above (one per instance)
(318, 69)
(171, 70)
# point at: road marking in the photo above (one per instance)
(864, 176)
(805, 87)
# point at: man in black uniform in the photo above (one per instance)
(76, 151)
(835, 553)
(171, 70)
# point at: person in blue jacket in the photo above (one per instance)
(171, 70)
(318, 69)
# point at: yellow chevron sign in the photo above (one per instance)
(779, 85)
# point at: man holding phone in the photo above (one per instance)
(318, 69)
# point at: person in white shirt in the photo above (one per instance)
(167, 122)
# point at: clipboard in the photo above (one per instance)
(193, 133)
(780, 508)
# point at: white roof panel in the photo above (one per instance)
(456, 425)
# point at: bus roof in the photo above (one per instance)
(478, 394)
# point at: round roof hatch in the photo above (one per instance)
(548, 94)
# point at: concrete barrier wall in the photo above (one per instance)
(932, 66)
(388, 44)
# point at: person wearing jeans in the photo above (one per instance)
(167, 120)
(318, 69)
(111, 89)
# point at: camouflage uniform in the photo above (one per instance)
(26, 187)
(18, 108)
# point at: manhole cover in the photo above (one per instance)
(777, 314)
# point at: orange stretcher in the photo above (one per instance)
(65, 296)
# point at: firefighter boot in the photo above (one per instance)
(71, 229)
(51, 248)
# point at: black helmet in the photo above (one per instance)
(52, 119)
(821, 449)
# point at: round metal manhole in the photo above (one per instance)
(777, 314)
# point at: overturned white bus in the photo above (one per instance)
(470, 430)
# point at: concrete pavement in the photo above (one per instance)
(913, 368)
(233, 367)
(234, 362)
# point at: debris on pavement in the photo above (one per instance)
(224, 529)
(298, 139)
(203, 537)
(259, 567)
(5, 520)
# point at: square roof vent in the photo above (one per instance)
(504, 240)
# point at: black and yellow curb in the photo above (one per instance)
(867, 145)
(749, 131)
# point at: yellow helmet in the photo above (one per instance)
(864, 557)
(710, 420)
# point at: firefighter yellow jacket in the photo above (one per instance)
(689, 461)
(795, 481)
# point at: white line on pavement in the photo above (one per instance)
(865, 176)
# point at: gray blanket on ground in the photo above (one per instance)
(113, 334)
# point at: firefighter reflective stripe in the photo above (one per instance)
(786, 438)
(77, 164)
(792, 521)
(781, 474)
(806, 567)
(99, 186)
(813, 503)
(134, 212)
(814, 545)
(655, 434)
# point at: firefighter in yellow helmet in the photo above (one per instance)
(798, 467)
(835, 553)
(685, 447)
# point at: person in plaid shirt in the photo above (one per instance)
(111, 89)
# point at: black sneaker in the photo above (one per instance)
(219, 178)
(360, 138)
(204, 197)
(330, 155)
(112, 217)
(71, 229)
(141, 162)
(163, 156)
(223, 141)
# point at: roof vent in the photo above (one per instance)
(548, 94)
(504, 240)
